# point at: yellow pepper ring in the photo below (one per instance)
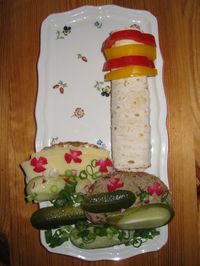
(130, 71)
(131, 49)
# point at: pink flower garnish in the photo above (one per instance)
(73, 156)
(114, 184)
(155, 188)
(38, 164)
(103, 165)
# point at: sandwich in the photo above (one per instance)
(48, 170)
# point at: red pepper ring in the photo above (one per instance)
(127, 61)
(129, 34)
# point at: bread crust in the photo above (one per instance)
(72, 143)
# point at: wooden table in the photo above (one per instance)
(179, 24)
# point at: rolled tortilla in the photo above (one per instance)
(130, 122)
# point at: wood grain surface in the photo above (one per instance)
(179, 24)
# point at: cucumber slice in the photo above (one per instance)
(42, 188)
(93, 241)
(53, 217)
(148, 216)
(108, 201)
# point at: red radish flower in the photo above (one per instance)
(155, 188)
(103, 165)
(114, 184)
(39, 164)
(73, 156)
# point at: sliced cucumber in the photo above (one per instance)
(108, 201)
(53, 217)
(93, 241)
(42, 188)
(148, 216)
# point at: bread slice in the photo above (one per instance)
(148, 189)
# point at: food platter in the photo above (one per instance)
(73, 100)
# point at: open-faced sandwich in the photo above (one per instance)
(47, 171)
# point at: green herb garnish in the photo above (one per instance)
(58, 237)
(87, 233)
(68, 195)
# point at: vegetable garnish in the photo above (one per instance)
(129, 34)
(86, 233)
(130, 71)
(73, 156)
(114, 184)
(38, 164)
(68, 194)
(127, 61)
(108, 201)
(103, 165)
(131, 49)
(57, 238)
(91, 170)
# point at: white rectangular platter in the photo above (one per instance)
(73, 104)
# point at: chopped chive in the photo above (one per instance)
(48, 236)
(83, 175)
